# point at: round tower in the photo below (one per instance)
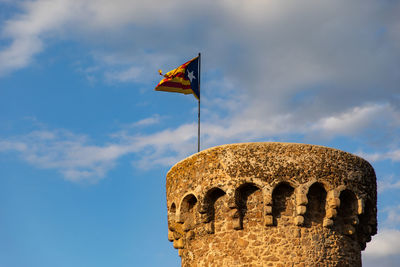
(271, 204)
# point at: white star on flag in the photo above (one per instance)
(191, 76)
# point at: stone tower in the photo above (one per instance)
(271, 204)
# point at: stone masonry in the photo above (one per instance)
(271, 204)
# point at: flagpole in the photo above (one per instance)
(198, 125)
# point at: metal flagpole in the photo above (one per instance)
(198, 125)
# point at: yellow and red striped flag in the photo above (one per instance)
(184, 79)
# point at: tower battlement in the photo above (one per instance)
(271, 204)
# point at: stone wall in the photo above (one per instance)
(271, 204)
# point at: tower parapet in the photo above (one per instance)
(271, 204)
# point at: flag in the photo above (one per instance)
(184, 79)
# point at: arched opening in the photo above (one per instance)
(249, 200)
(348, 204)
(188, 203)
(172, 209)
(188, 214)
(316, 205)
(346, 213)
(217, 208)
(283, 204)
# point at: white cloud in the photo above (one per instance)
(129, 75)
(393, 155)
(390, 182)
(253, 123)
(286, 45)
(347, 122)
(70, 154)
(315, 68)
(13, 145)
(391, 216)
(77, 159)
(26, 31)
(383, 245)
(356, 119)
(41, 20)
(147, 121)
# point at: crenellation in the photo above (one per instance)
(271, 204)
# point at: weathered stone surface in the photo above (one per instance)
(271, 204)
(301, 199)
(269, 220)
(331, 213)
(299, 220)
(327, 222)
(301, 210)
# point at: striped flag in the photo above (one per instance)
(184, 79)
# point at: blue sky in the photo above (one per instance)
(85, 141)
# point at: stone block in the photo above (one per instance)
(177, 235)
(178, 244)
(232, 203)
(209, 228)
(190, 235)
(242, 243)
(171, 236)
(268, 209)
(299, 220)
(171, 226)
(180, 218)
(333, 202)
(300, 210)
(237, 224)
(234, 213)
(328, 223)
(333, 194)
(301, 199)
(331, 213)
(205, 218)
(268, 199)
(268, 220)
(203, 209)
(360, 203)
(186, 226)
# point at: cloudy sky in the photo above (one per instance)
(85, 141)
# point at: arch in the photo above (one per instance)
(347, 211)
(324, 184)
(187, 211)
(172, 208)
(249, 202)
(188, 203)
(315, 211)
(245, 182)
(291, 183)
(349, 188)
(283, 204)
(348, 204)
(212, 195)
(215, 208)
